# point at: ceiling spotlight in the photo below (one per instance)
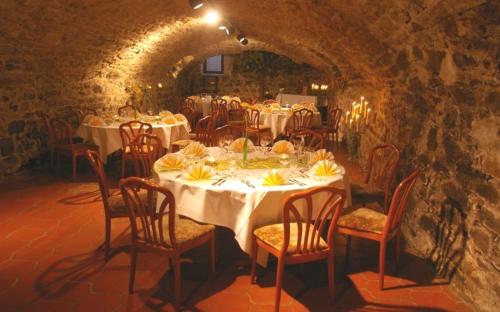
(242, 39)
(212, 17)
(229, 30)
(196, 4)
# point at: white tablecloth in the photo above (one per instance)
(278, 121)
(291, 99)
(109, 141)
(203, 104)
(235, 205)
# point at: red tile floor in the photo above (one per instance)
(51, 232)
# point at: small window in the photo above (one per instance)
(214, 65)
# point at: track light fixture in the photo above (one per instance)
(242, 39)
(196, 4)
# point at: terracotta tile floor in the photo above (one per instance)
(51, 231)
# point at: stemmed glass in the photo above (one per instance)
(285, 160)
(264, 142)
(225, 142)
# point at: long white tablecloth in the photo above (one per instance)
(109, 141)
(203, 104)
(235, 205)
(291, 99)
(278, 121)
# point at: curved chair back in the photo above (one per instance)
(252, 118)
(81, 113)
(205, 128)
(215, 104)
(189, 102)
(234, 105)
(382, 164)
(146, 220)
(333, 118)
(312, 139)
(62, 132)
(126, 110)
(399, 202)
(98, 168)
(190, 115)
(130, 130)
(236, 114)
(146, 149)
(323, 206)
(301, 119)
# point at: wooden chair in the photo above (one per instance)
(312, 139)
(114, 206)
(81, 113)
(236, 121)
(128, 132)
(158, 228)
(301, 119)
(234, 105)
(370, 224)
(64, 145)
(299, 238)
(203, 132)
(145, 149)
(189, 102)
(219, 106)
(253, 126)
(382, 164)
(190, 115)
(332, 124)
(50, 138)
(127, 111)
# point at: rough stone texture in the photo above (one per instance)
(430, 69)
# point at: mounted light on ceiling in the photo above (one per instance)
(212, 17)
(242, 39)
(196, 4)
(227, 28)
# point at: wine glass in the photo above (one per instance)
(293, 165)
(285, 160)
(264, 142)
(298, 144)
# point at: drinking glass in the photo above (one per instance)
(285, 160)
(264, 142)
(293, 165)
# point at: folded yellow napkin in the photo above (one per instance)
(172, 162)
(276, 106)
(321, 154)
(267, 110)
(297, 107)
(274, 177)
(245, 105)
(169, 120)
(325, 168)
(195, 149)
(283, 147)
(199, 172)
(237, 145)
(97, 121)
(165, 113)
(180, 117)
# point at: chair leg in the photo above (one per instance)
(212, 252)
(381, 264)
(331, 277)
(253, 255)
(73, 160)
(347, 252)
(133, 265)
(108, 238)
(177, 282)
(279, 280)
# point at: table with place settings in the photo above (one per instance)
(235, 196)
(277, 121)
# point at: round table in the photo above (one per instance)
(235, 204)
(109, 141)
(277, 121)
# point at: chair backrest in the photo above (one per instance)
(301, 119)
(50, 130)
(81, 113)
(205, 128)
(311, 211)
(62, 132)
(382, 164)
(333, 118)
(237, 114)
(126, 110)
(146, 149)
(189, 102)
(98, 168)
(219, 106)
(215, 104)
(399, 202)
(130, 130)
(234, 105)
(190, 114)
(312, 139)
(252, 118)
(146, 219)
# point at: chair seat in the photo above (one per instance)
(117, 204)
(364, 193)
(186, 230)
(274, 234)
(364, 219)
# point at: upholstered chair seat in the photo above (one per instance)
(274, 236)
(187, 230)
(364, 219)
